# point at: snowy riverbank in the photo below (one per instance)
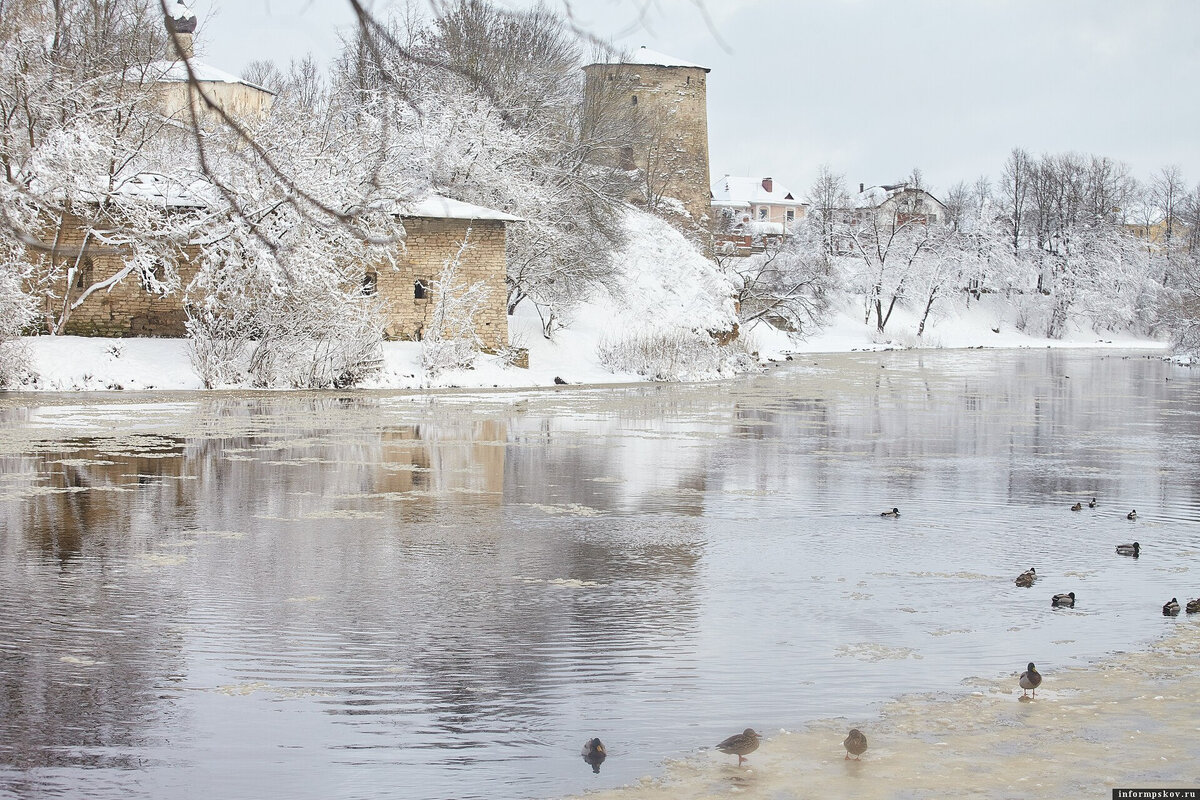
(1121, 723)
(72, 363)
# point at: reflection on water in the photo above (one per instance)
(434, 596)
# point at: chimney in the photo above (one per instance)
(182, 22)
(767, 184)
(861, 188)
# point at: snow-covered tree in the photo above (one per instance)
(788, 284)
(78, 133)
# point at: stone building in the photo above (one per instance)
(436, 228)
(176, 93)
(671, 101)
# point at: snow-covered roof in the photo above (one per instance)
(876, 196)
(168, 192)
(644, 55)
(736, 192)
(176, 72)
(435, 206)
(151, 186)
(179, 11)
(763, 228)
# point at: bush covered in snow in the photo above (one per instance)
(16, 312)
(674, 355)
(451, 340)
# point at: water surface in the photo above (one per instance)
(379, 595)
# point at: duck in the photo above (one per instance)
(1077, 507)
(1030, 679)
(1193, 606)
(594, 754)
(1027, 577)
(740, 744)
(1092, 503)
(1134, 549)
(895, 512)
(1131, 514)
(1171, 609)
(855, 744)
(1063, 600)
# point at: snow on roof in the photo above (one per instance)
(165, 191)
(180, 11)
(176, 72)
(736, 192)
(644, 55)
(876, 196)
(435, 206)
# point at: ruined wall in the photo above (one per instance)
(673, 104)
(407, 289)
(126, 309)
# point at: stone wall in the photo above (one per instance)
(673, 102)
(238, 100)
(124, 309)
(127, 309)
(407, 288)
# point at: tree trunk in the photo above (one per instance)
(928, 308)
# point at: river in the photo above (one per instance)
(378, 595)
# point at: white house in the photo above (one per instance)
(898, 202)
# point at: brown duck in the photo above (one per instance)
(1030, 679)
(740, 744)
(855, 744)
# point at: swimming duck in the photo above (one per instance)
(1134, 549)
(855, 744)
(1063, 600)
(740, 744)
(1131, 514)
(1027, 577)
(895, 512)
(594, 754)
(1193, 606)
(1092, 504)
(1171, 609)
(1030, 679)
(1077, 507)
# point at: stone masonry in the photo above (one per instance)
(408, 290)
(673, 102)
(127, 309)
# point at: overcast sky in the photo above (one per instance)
(871, 87)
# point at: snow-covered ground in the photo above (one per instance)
(665, 281)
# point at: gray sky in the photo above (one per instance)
(872, 87)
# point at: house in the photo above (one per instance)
(749, 210)
(900, 203)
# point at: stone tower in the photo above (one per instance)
(670, 100)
